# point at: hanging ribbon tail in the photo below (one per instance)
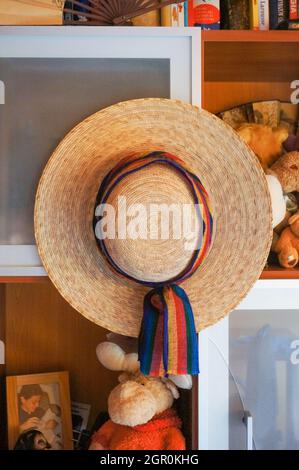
(168, 341)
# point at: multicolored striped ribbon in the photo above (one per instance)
(168, 342)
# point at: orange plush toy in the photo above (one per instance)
(287, 246)
(140, 407)
(162, 432)
(265, 141)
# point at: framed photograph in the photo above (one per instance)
(40, 402)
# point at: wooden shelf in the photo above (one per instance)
(250, 36)
(23, 279)
(244, 66)
(276, 272)
(273, 272)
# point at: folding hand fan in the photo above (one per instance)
(113, 12)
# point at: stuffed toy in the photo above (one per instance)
(277, 200)
(32, 439)
(140, 407)
(266, 142)
(286, 169)
(287, 245)
(285, 241)
(292, 143)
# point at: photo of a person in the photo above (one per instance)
(39, 409)
(30, 411)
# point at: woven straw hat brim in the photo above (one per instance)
(228, 169)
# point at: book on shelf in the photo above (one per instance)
(254, 14)
(174, 15)
(234, 14)
(294, 10)
(204, 13)
(186, 13)
(263, 6)
(279, 11)
(258, 15)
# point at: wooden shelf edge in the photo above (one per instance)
(23, 279)
(274, 272)
(250, 36)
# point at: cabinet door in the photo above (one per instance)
(251, 372)
(51, 80)
(264, 352)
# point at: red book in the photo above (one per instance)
(294, 9)
(204, 13)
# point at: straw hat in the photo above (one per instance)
(65, 205)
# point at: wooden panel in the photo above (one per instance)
(44, 334)
(251, 61)
(219, 96)
(23, 279)
(3, 433)
(184, 407)
(194, 417)
(249, 36)
(247, 70)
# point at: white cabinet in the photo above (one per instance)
(250, 363)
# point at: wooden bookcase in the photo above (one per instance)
(244, 66)
(42, 332)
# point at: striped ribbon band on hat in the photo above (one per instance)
(168, 342)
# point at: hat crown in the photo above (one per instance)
(155, 224)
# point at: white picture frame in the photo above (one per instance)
(182, 46)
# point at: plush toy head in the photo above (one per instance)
(286, 169)
(287, 246)
(138, 398)
(264, 141)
